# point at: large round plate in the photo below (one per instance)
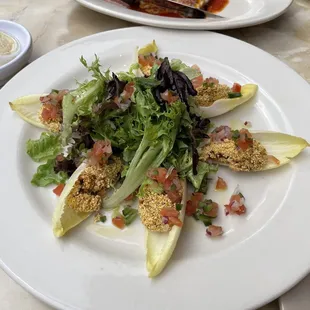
(249, 266)
(238, 14)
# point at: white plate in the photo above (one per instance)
(238, 14)
(298, 297)
(248, 267)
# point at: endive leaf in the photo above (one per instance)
(282, 146)
(223, 106)
(281, 149)
(64, 217)
(28, 108)
(160, 246)
(148, 49)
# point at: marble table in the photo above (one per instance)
(53, 23)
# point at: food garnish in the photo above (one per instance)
(161, 243)
(221, 184)
(214, 231)
(215, 99)
(242, 150)
(85, 190)
(236, 203)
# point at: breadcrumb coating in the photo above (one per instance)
(208, 94)
(149, 210)
(88, 190)
(253, 159)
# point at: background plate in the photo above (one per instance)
(238, 14)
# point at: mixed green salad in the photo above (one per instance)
(145, 134)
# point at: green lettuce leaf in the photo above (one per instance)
(47, 147)
(178, 65)
(130, 75)
(46, 175)
(200, 180)
(161, 129)
(80, 102)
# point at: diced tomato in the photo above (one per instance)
(61, 94)
(146, 60)
(169, 212)
(235, 198)
(152, 174)
(212, 80)
(236, 88)
(196, 198)
(214, 231)
(190, 208)
(172, 174)
(142, 61)
(197, 81)
(174, 196)
(58, 190)
(241, 210)
(236, 204)
(128, 91)
(161, 176)
(54, 97)
(133, 195)
(119, 222)
(192, 204)
(274, 160)
(101, 151)
(220, 184)
(196, 68)
(244, 145)
(213, 212)
(168, 185)
(245, 140)
(175, 221)
(168, 96)
(49, 112)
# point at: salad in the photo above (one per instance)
(146, 135)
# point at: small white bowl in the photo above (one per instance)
(16, 61)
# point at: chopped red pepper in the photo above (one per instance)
(169, 212)
(58, 190)
(100, 153)
(175, 221)
(119, 222)
(236, 88)
(220, 184)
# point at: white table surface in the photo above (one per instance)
(56, 22)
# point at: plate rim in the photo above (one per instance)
(54, 303)
(174, 23)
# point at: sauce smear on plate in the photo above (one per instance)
(216, 6)
(168, 9)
